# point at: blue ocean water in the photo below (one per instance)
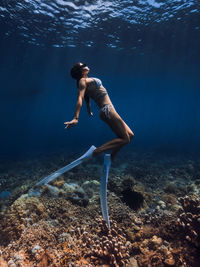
(145, 52)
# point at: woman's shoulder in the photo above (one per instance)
(86, 81)
(89, 80)
(82, 81)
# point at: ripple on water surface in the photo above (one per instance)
(64, 23)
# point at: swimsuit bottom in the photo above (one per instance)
(106, 110)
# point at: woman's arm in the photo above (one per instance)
(87, 100)
(81, 93)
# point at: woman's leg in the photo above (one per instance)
(120, 128)
(116, 150)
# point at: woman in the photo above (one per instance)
(93, 88)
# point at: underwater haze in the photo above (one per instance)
(145, 52)
(61, 207)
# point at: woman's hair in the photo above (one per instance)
(76, 71)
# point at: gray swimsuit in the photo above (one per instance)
(96, 93)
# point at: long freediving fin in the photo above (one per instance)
(68, 167)
(103, 188)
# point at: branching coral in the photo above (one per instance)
(99, 245)
(109, 246)
(189, 220)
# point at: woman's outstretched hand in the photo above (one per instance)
(71, 123)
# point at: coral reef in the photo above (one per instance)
(44, 244)
(153, 205)
(23, 212)
(131, 193)
(110, 245)
(189, 219)
(155, 252)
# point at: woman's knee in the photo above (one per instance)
(131, 135)
(128, 138)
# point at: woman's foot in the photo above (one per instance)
(95, 152)
(112, 156)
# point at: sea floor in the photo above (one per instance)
(153, 201)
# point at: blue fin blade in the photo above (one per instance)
(103, 188)
(68, 167)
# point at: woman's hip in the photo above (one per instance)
(106, 111)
